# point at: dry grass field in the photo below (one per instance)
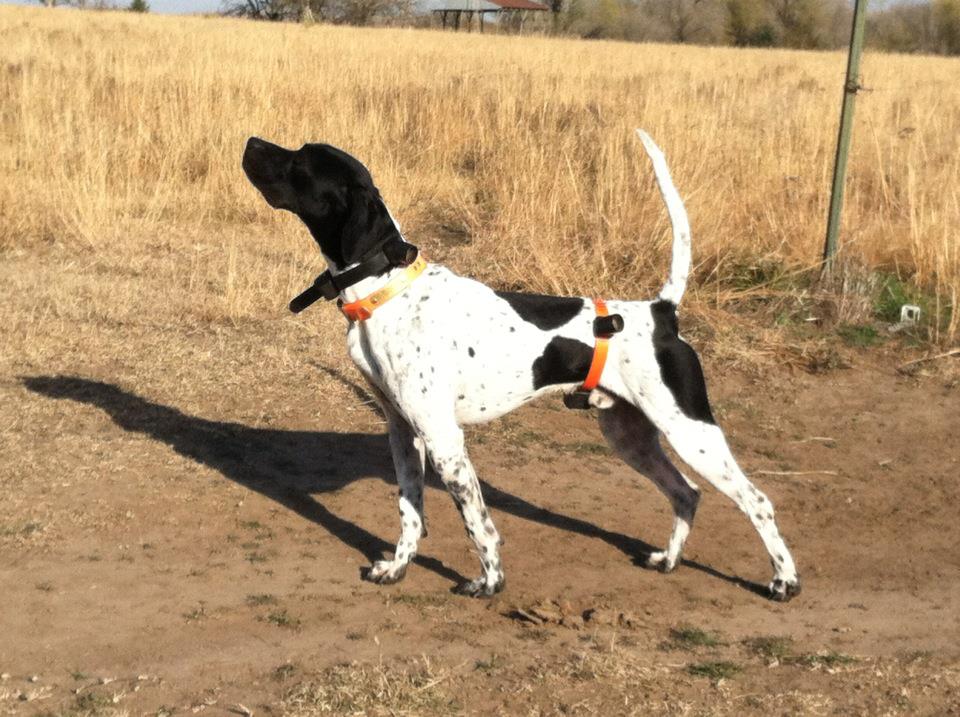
(192, 477)
(519, 149)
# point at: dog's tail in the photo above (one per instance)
(680, 265)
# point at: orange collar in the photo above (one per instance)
(362, 309)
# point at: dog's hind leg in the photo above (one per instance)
(635, 439)
(408, 460)
(702, 445)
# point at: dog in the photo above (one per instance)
(441, 351)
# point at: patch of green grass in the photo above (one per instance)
(79, 676)
(859, 335)
(26, 529)
(827, 659)
(419, 599)
(770, 647)
(687, 637)
(525, 438)
(719, 670)
(590, 449)
(195, 614)
(256, 600)
(536, 634)
(262, 532)
(823, 359)
(762, 273)
(281, 618)
(91, 703)
(284, 672)
(894, 293)
(767, 453)
(494, 663)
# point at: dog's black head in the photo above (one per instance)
(331, 192)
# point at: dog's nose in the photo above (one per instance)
(255, 143)
(260, 154)
(255, 146)
(257, 156)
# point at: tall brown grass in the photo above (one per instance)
(513, 158)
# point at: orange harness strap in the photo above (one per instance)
(600, 349)
(362, 309)
(605, 325)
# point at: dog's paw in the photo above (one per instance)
(384, 572)
(660, 561)
(784, 590)
(480, 588)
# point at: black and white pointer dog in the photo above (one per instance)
(441, 351)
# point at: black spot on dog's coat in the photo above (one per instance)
(544, 312)
(679, 366)
(563, 361)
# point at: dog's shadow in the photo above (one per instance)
(292, 467)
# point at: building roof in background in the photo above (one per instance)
(486, 5)
(464, 5)
(520, 5)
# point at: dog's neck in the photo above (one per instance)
(367, 286)
(364, 287)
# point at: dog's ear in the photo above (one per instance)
(368, 223)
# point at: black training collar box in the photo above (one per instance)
(390, 255)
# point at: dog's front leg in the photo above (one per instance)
(447, 452)
(408, 460)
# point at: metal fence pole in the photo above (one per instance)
(850, 88)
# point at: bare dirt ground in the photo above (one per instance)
(189, 499)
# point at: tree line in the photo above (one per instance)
(931, 26)
(927, 26)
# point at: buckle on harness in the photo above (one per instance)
(354, 312)
(604, 327)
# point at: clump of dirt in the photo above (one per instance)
(564, 614)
